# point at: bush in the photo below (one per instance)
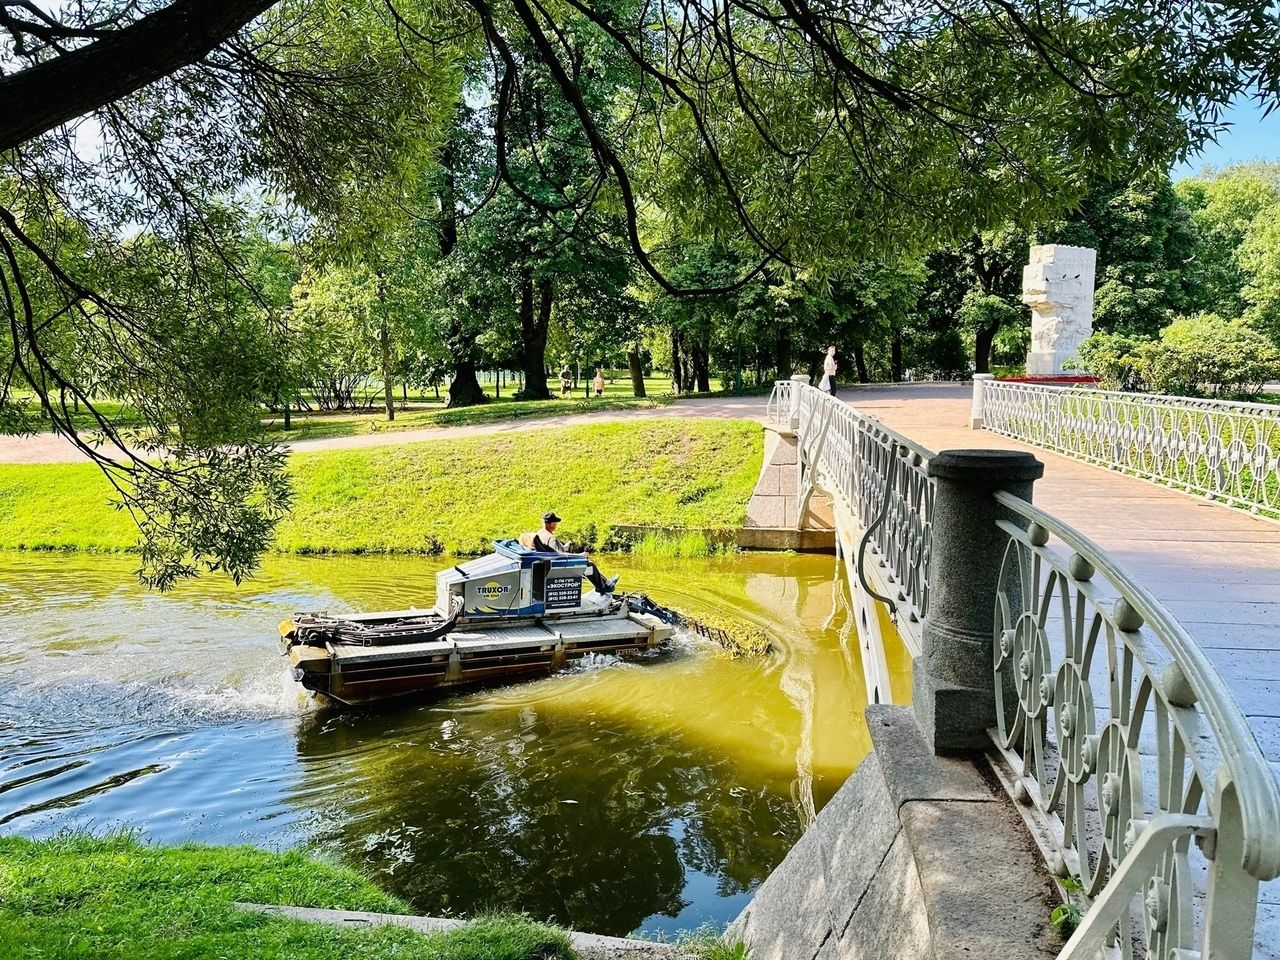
(1206, 354)
(1113, 359)
(1203, 355)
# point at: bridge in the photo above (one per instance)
(1091, 601)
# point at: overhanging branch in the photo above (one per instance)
(41, 97)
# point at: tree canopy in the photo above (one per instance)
(801, 167)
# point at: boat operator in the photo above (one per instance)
(546, 540)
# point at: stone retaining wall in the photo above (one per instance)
(915, 857)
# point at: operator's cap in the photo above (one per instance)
(550, 517)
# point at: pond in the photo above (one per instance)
(647, 796)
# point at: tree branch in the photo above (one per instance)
(40, 97)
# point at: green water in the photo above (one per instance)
(651, 795)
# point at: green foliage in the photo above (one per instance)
(1259, 259)
(1145, 239)
(1206, 354)
(333, 324)
(1227, 208)
(980, 309)
(709, 945)
(1064, 918)
(454, 495)
(80, 896)
(1193, 356)
(1113, 358)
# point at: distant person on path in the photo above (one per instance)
(546, 540)
(829, 366)
(598, 383)
(566, 381)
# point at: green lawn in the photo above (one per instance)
(453, 495)
(422, 409)
(425, 414)
(116, 899)
(419, 409)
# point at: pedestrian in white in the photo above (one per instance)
(829, 365)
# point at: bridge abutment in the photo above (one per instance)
(891, 870)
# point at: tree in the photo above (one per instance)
(808, 139)
(1145, 240)
(1192, 356)
(1224, 207)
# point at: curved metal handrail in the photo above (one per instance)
(880, 477)
(1256, 787)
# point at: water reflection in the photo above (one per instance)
(617, 797)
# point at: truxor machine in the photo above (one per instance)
(512, 614)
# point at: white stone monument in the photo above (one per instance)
(1058, 287)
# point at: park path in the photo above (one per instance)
(53, 448)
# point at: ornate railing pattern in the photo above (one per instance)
(880, 476)
(1151, 788)
(1142, 776)
(1223, 450)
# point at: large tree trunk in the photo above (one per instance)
(860, 363)
(983, 340)
(783, 352)
(637, 373)
(895, 355)
(676, 381)
(701, 368)
(464, 388)
(535, 320)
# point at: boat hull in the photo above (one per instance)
(471, 655)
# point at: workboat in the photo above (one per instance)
(513, 614)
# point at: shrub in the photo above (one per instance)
(1194, 356)
(1113, 358)
(1206, 354)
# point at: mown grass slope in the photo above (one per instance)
(455, 495)
(116, 899)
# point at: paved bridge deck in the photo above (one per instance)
(1215, 568)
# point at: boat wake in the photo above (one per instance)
(79, 702)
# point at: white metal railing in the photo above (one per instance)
(778, 408)
(1149, 785)
(1113, 728)
(879, 476)
(1223, 450)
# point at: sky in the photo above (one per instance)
(1250, 137)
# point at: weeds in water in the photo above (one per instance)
(735, 638)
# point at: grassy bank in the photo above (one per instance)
(115, 899)
(446, 495)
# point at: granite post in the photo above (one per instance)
(953, 687)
